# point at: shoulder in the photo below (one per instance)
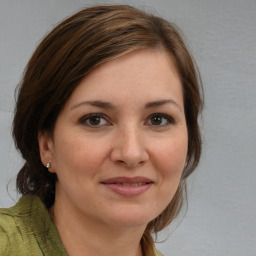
(11, 229)
(4, 242)
(8, 222)
(10, 218)
(27, 229)
(8, 229)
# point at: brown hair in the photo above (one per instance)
(65, 56)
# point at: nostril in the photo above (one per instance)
(120, 161)
(129, 156)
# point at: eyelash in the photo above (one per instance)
(89, 117)
(168, 118)
(84, 120)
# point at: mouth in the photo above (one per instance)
(131, 184)
(126, 186)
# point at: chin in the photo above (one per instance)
(132, 217)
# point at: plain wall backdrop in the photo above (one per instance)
(222, 36)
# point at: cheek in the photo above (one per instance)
(78, 157)
(173, 155)
(170, 163)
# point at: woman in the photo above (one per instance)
(106, 120)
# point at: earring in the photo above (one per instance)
(48, 165)
(186, 164)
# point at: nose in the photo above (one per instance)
(129, 148)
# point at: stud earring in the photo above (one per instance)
(48, 165)
(186, 164)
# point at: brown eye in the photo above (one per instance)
(94, 120)
(160, 120)
(156, 120)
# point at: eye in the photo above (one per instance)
(94, 120)
(160, 119)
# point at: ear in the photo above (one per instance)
(46, 149)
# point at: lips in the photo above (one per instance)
(127, 186)
(127, 180)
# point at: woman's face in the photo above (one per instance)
(120, 143)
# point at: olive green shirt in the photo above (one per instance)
(27, 229)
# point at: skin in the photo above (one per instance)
(126, 141)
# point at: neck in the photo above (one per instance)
(83, 236)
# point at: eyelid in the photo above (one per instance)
(83, 120)
(91, 115)
(169, 118)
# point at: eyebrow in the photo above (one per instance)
(161, 102)
(95, 103)
(108, 105)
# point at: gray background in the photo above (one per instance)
(222, 36)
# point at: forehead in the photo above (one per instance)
(139, 75)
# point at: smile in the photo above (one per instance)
(133, 184)
(128, 187)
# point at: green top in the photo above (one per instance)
(27, 229)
